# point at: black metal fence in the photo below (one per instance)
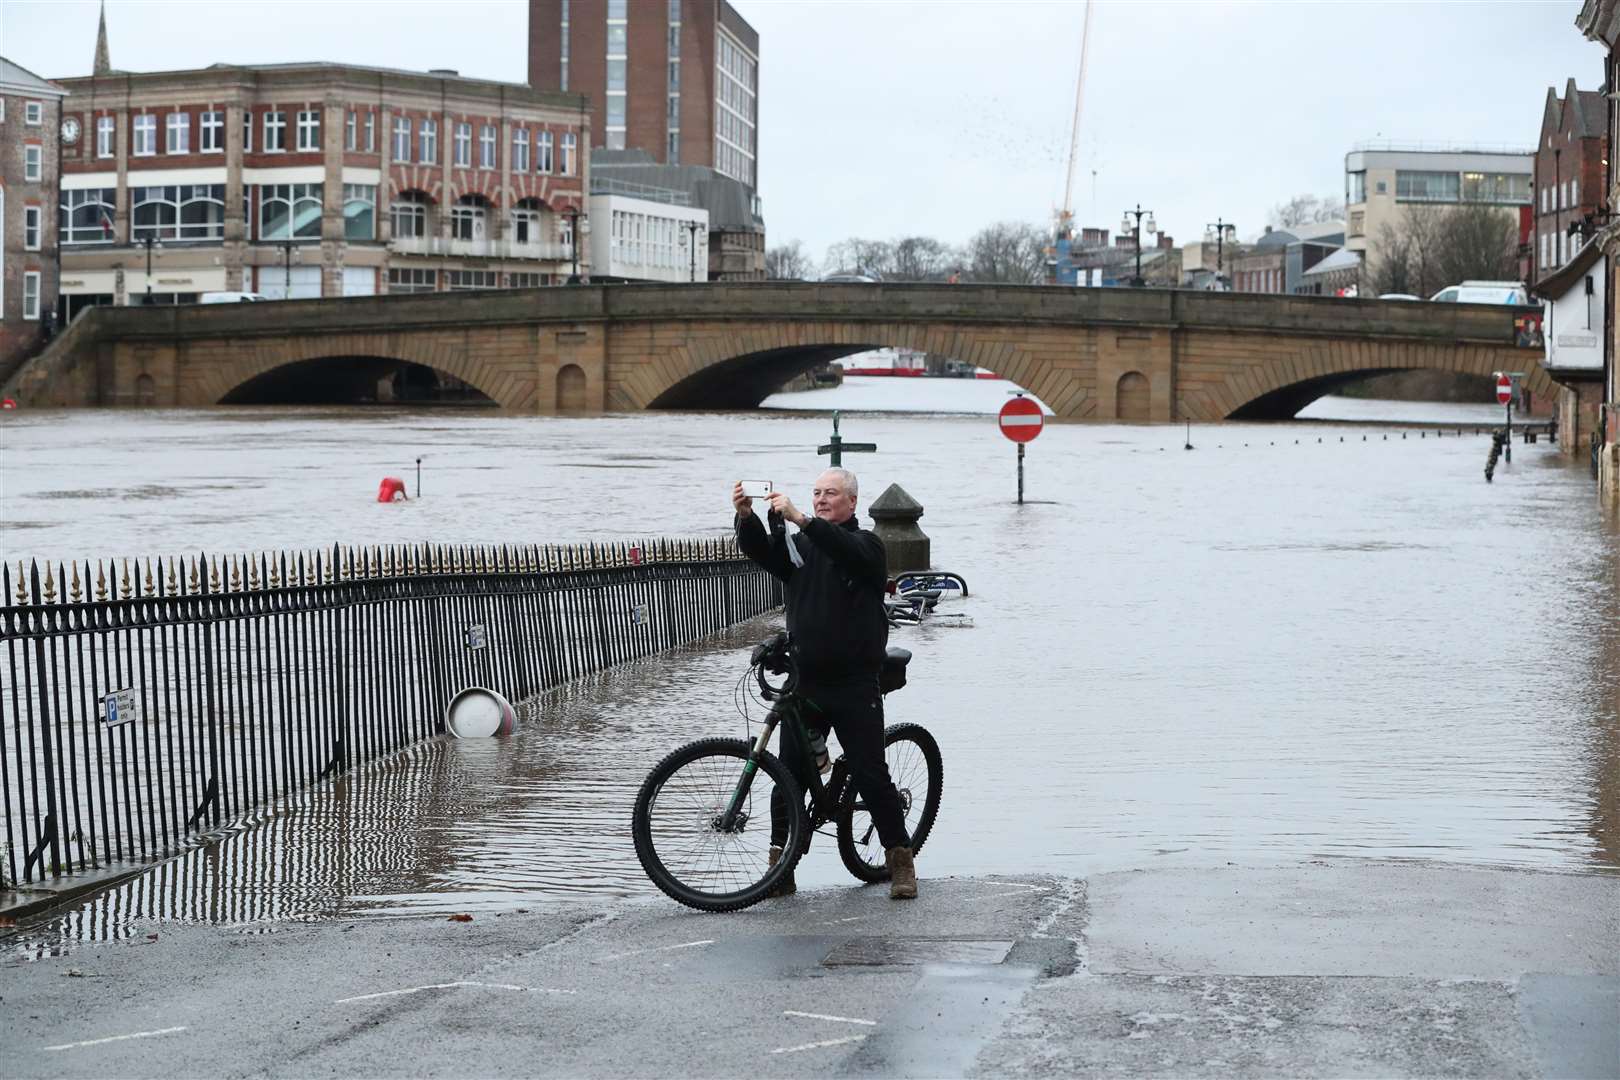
(181, 697)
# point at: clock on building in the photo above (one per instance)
(70, 131)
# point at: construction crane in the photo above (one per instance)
(1060, 268)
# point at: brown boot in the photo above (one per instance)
(786, 886)
(902, 874)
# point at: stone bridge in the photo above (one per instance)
(1100, 354)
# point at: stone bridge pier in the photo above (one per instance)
(1098, 354)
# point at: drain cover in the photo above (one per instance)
(898, 952)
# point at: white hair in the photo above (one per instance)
(851, 485)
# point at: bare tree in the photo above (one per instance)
(789, 262)
(1306, 210)
(857, 256)
(1008, 251)
(1430, 247)
(921, 258)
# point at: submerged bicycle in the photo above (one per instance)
(702, 819)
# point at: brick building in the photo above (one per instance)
(1599, 21)
(30, 126)
(676, 78)
(1568, 176)
(308, 180)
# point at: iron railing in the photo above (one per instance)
(144, 703)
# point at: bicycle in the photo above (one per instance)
(702, 820)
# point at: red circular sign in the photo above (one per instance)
(1021, 419)
(1504, 389)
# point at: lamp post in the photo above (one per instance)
(692, 228)
(1220, 232)
(573, 243)
(288, 248)
(1135, 228)
(150, 241)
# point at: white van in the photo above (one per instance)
(230, 298)
(1483, 292)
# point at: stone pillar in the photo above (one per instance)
(894, 520)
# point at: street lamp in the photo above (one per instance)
(1135, 228)
(1220, 232)
(150, 241)
(288, 249)
(573, 242)
(692, 228)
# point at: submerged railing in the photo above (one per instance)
(182, 696)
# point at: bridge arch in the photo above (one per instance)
(253, 365)
(571, 395)
(1132, 397)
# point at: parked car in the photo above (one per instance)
(1399, 296)
(1483, 292)
(230, 298)
(857, 279)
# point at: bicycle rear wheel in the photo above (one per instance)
(676, 825)
(918, 773)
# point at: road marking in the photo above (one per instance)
(661, 948)
(115, 1038)
(824, 1016)
(449, 986)
(818, 1045)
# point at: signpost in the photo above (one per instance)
(838, 447)
(1507, 388)
(1021, 421)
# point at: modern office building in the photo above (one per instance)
(678, 79)
(1569, 167)
(30, 125)
(735, 245)
(306, 180)
(1382, 180)
(646, 234)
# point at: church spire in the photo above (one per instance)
(103, 60)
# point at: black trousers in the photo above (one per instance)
(852, 709)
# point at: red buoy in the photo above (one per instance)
(392, 488)
(8, 403)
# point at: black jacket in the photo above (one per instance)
(834, 601)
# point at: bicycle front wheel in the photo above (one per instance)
(918, 773)
(681, 836)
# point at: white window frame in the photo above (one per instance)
(34, 163)
(520, 150)
(408, 208)
(461, 146)
(33, 113)
(33, 223)
(525, 220)
(106, 133)
(471, 218)
(570, 147)
(371, 132)
(275, 132)
(427, 142)
(1574, 191)
(31, 298)
(247, 131)
(360, 195)
(309, 130)
(177, 133)
(211, 131)
(488, 139)
(351, 130)
(543, 159)
(402, 135)
(143, 132)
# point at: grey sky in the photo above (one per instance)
(886, 118)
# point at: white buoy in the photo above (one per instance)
(478, 712)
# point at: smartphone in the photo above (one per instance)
(756, 489)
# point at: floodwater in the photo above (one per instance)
(1295, 641)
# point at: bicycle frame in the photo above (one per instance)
(823, 796)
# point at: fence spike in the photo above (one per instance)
(50, 586)
(235, 563)
(75, 585)
(376, 561)
(5, 589)
(101, 581)
(253, 574)
(151, 579)
(124, 592)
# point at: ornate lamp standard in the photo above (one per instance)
(288, 249)
(1220, 232)
(1135, 228)
(573, 243)
(692, 229)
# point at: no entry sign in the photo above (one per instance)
(1020, 419)
(1504, 390)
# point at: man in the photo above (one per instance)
(834, 573)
